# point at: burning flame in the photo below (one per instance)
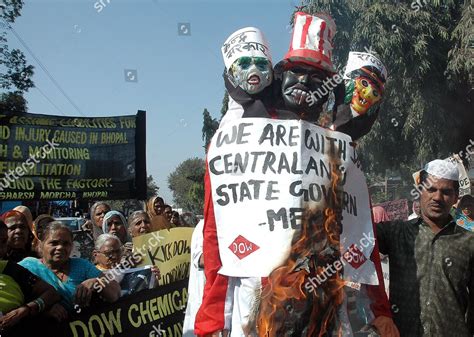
(286, 307)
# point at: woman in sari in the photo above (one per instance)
(155, 208)
(22, 294)
(76, 280)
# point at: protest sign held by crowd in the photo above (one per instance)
(300, 221)
(75, 288)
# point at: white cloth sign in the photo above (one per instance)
(264, 173)
(464, 182)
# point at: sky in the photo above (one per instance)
(174, 46)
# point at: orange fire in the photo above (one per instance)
(287, 308)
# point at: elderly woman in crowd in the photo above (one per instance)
(22, 294)
(20, 237)
(107, 252)
(97, 212)
(108, 257)
(77, 280)
(139, 223)
(114, 223)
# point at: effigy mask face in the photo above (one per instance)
(303, 88)
(252, 74)
(366, 94)
(364, 85)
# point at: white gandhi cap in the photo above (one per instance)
(443, 169)
(248, 41)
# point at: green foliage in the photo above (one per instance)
(196, 196)
(378, 197)
(10, 9)
(15, 73)
(209, 127)
(225, 104)
(225, 99)
(151, 187)
(187, 185)
(129, 205)
(12, 102)
(18, 74)
(426, 113)
(126, 206)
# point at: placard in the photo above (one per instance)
(264, 173)
(169, 250)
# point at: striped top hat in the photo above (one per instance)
(311, 42)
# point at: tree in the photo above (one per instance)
(151, 187)
(128, 205)
(196, 195)
(15, 73)
(209, 127)
(426, 113)
(187, 185)
(225, 104)
(225, 99)
(12, 102)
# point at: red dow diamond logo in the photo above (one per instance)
(242, 247)
(354, 257)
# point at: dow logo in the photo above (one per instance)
(242, 247)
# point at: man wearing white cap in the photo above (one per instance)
(431, 261)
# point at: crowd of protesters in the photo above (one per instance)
(41, 281)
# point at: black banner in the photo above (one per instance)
(45, 157)
(155, 312)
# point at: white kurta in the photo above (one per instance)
(196, 281)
